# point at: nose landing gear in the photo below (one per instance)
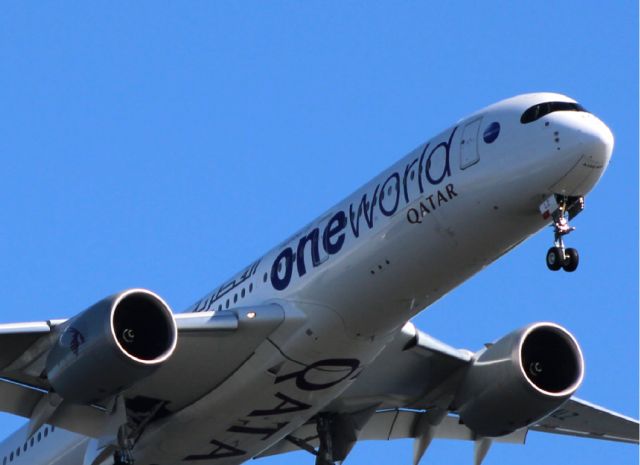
(562, 209)
(559, 256)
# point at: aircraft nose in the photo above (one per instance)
(591, 149)
(597, 140)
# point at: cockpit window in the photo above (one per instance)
(538, 111)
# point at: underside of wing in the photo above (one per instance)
(383, 425)
(416, 389)
(25, 365)
(580, 418)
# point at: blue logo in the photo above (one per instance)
(492, 132)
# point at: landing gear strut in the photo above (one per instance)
(124, 454)
(336, 435)
(123, 457)
(562, 209)
(325, 451)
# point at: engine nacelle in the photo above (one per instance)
(111, 345)
(520, 379)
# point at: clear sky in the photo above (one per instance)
(168, 144)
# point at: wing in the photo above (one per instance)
(25, 391)
(406, 393)
(580, 418)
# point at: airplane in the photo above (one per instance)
(311, 348)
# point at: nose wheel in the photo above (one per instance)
(562, 209)
(569, 262)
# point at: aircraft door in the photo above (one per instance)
(469, 154)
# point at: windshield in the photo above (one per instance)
(541, 109)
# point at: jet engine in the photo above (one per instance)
(111, 346)
(520, 379)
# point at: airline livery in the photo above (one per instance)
(310, 348)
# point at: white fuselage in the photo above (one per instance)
(351, 278)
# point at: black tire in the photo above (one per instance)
(572, 260)
(554, 263)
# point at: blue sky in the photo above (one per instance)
(167, 144)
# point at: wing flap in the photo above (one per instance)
(387, 425)
(17, 398)
(21, 399)
(400, 424)
(23, 347)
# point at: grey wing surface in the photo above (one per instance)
(25, 390)
(580, 418)
(398, 396)
(414, 380)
